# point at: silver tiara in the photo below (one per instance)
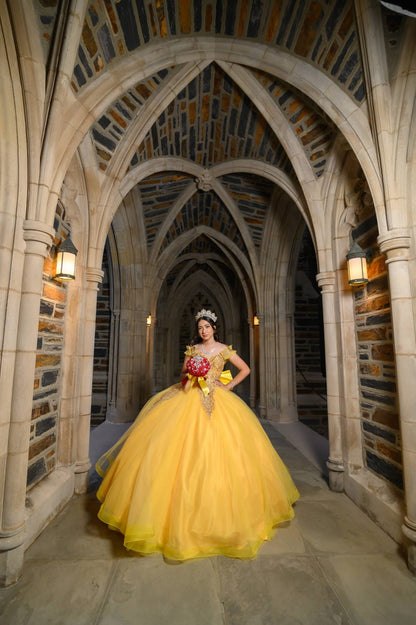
(206, 313)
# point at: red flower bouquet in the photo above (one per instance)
(198, 365)
(197, 368)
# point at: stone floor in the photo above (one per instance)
(331, 565)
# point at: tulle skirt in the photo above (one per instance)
(189, 485)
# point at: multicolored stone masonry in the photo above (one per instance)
(309, 123)
(320, 32)
(47, 382)
(158, 194)
(212, 121)
(109, 129)
(377, 373)
(252, 196)
(204, 209)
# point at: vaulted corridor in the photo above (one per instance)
(224, 154)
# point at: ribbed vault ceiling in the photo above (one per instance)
(211, 116)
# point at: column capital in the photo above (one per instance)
(326, 280)
(94, 274)
(38, 236)
(395, 244)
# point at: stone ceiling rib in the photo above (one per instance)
(212, 120)
(341, 110)
(175, 208)
(170, 253)
(205, 209)
(196, 278)
(278, 122)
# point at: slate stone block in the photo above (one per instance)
(384, 468)
(46, 308)
(382, 385)
(377, 431)
(379, 398)
(44, 425)
(36, 471)
(128, 24)
(50, 377)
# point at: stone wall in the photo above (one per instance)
(47, 382)
(101, 349)
(309, 348)
(377, 375)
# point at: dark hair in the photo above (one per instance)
(197, 338)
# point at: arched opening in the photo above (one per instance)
(309, 341)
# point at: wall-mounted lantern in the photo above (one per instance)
(256, 321)
(149, 320)
(65, 260)
(357, 265)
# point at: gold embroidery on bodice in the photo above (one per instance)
(217, 366)
(217, 363)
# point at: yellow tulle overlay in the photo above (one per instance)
(195, 476)
(189, 485)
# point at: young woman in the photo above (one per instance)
(196, 475)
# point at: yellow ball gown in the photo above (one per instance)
(195, 476)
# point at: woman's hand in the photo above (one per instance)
(226, 387)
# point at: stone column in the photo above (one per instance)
(93, 277)
(395, 244)
(150, 333)
(287, 375)
(111, 412)
(262, 366)
(253, 364)
(335, 463)
(38, 237)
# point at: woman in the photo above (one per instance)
(196, 475)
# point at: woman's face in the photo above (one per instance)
(205, 330)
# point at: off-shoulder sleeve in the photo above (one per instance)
(190, 350)
(228, 352)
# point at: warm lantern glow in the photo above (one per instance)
(65, 260)
(256, 321)
(149, 320)
(357, 266)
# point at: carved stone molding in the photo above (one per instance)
(38, 236)
(395, 244)
(93, 274)
(326, 280)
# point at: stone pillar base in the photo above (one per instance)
(81, 477)
(11, 564)
(336, 475)
(409, 530)
(81, 483)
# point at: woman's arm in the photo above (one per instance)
(244, 371)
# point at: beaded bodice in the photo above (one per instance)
(217, 363)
